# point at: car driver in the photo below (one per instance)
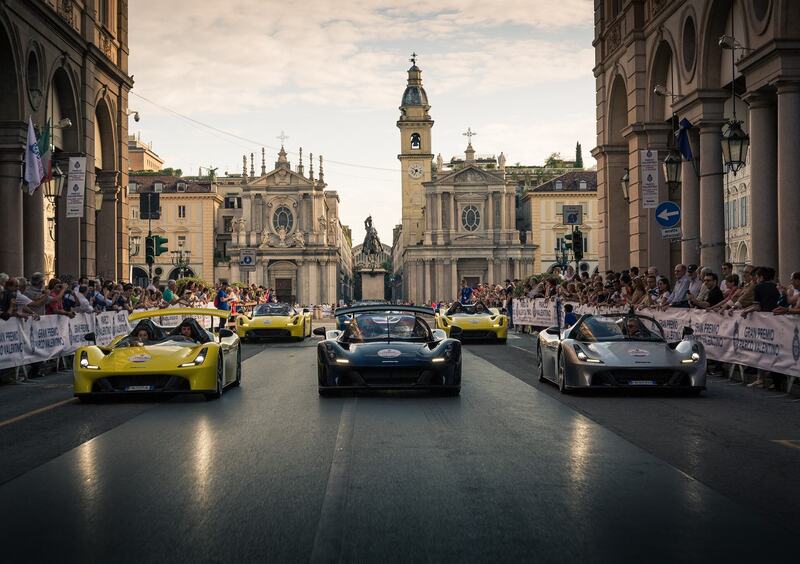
(634, 328)
(187, 332)
(142, 336)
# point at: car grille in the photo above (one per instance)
(269, 333)
(399, 377)
(159, 382)
(459, 333)
(623, 377)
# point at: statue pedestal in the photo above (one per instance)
(372, 284)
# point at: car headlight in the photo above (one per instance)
(439, 359)
(692, 359)
(84, 362)
(499, 323)
(295, 320)
(198, 360)
(342, 361)
(583, 357)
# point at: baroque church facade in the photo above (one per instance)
(457, 223)
(281, 229)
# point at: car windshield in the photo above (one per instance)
(188, 331)
(382, 326)
(478, 308)
(598, 329)
(273, 309)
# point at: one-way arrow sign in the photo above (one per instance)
(668, 214)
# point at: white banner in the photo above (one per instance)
(29, 341)
(76, 186)
(761, 340)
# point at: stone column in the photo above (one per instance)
(313, 282)
(453, 219)
(440, 291)
(299, 291)
(11, 186)
(332, 281)
(788, 193)
(763, 183)
(106, 224)
(690, 210)
(490, 271)
(427, 296)
(517, 274)
(454, 282)
(33, 232)
(439, 207)
(712, 205)
(490, 215)
(503, 214)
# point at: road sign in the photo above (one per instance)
(671, 233)
(573, 214)
(668, 214)
(247, 257)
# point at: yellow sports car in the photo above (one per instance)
(473, 322)
(154, 359)
(274, 321)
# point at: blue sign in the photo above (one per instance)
(668, 214)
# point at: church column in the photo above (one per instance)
(490, 215)
(453, 224)
(503, 216)
(428, 290)
(298, 281)
(332, 281)
(788, 194)
(33, 232)
(763, 183)
(440, 292)
(312, 282)
(454, 283)
(490, 270)
(419, 294)
(712, 225)
(517, 273)
(439, 207)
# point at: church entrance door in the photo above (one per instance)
(283, 289)
(472, 281)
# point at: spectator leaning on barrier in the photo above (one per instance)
(726, 270)
(792, 297)
(745, 296)
(712, 295)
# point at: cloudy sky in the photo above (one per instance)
(331, 75)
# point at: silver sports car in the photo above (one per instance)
(620, 351)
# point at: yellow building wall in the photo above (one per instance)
(547, 227)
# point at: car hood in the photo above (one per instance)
(166, 357)
(270, 320)
(633, 353)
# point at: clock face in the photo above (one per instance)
(415, 170)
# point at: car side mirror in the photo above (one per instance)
(439, 335)
(225, 333)
(320, 331)
(90, 337)
(687, 331)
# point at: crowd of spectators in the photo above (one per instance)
(691, 287)
(69, 296)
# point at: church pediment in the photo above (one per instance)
(280, 177)
(469, 175)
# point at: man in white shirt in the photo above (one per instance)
(695, 281)
(679, 293)
(727, 270)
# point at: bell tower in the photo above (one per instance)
(415, 156)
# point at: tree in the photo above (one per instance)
(578, 155)
(554, 161)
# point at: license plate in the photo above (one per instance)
(138, 388)
(642, 382)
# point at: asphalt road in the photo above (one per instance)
(508, 471)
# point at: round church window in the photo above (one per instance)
(283, 218)
(470, 218)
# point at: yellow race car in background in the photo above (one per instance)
(473, 322)
(152, 359)
(274, 321)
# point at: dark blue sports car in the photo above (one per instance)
(388, 347)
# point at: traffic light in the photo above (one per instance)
(150, 250)
(577, 241)
(568, 243)
(160, 245)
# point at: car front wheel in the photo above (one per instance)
(562, 373)
(540, 364)
(216, 394)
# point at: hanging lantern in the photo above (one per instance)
(672, 171)
(735, 143)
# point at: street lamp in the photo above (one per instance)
(735, 141)
(98, 198)
(180, 259)
(53, 188)
(625, 183)
(134, 244)
(672, 171)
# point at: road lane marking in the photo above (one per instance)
(331, 526)
(36, 412)
(522, 349)
(791, 443)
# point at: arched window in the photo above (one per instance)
(470, 218)
(416, 141)
(283, 218)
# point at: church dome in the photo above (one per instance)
(414, 96)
